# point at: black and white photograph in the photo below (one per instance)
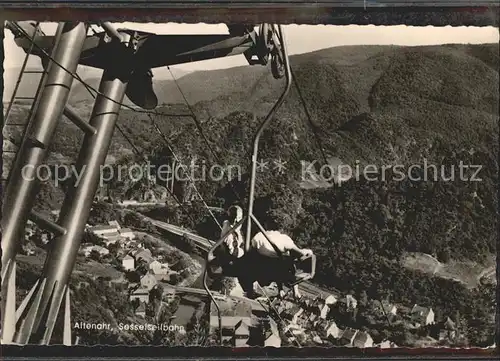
(245, 185)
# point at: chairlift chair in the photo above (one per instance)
(272, 43)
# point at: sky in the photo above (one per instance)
(299, 38)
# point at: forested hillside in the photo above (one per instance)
(369, 106)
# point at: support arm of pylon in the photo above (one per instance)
(44, 223)
(72, 115)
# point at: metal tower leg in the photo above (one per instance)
(18, 195)
(67, 319)
(37, 324)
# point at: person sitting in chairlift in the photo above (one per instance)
(263, 263)
(234, 241)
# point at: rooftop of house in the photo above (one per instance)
(111, 234)
(420, 310)
(141, 251)
(362, 337)
(449, 324)
(324, 295)
(103, 228)
(318, 302)
(141, 291)
(231, 307)
(327, 324)
(242, 328)
(144, 255)
(148, 275)
(349, 334)
(126, 230)
(293, 310)
(127, 257)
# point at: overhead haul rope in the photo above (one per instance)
(200, 129)
(313, 126)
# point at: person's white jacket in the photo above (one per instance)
(237, 236)
(283, 242)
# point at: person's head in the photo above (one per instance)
(235, 214)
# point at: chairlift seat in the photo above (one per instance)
(288, 270)
(305, 268)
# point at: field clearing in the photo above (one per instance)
(97, 269)
(467, 272)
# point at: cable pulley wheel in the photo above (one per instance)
(265, 42)
(277, 66)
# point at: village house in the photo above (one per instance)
(292, 314)
(448, 331)
(294, 329)
(141, 310)
(422, 316)
(316, 338)
(347, 338)
(232, 312)
(122, 252)
(389, 308)
(128, 202)
(108, 234)
(143, 255)
(382, 308)
(29, 232)
(328, 330)
(45, 238)
(148, 281)
(270, 333)
(127, 233)
(241, 334)
(132, 245)
(169, 294)
(316, 305)
(110, 239)
(323, 311)
(163, 277)
(351, 302)
(386, 344)
(103, 230)
(101, 250)
(312, 318)
(158, 268)
(362, 340)
(115, 224)
(328, 299)
(141, 294)
(128, 263)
